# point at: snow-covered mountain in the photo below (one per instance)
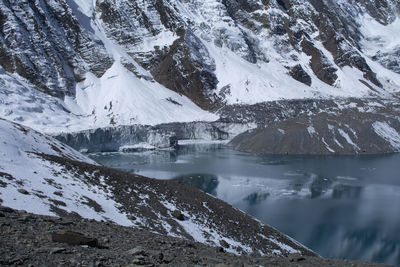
(78, 64)
(43, 176)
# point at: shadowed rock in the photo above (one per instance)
(73, 238)
(178, 215)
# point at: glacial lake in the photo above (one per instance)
(339, 206)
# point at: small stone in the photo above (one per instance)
(220, 249)
(66, 222)
(221, 265)
(178, 215)
(136, 251)
(140, 257)
(131, 217)
(58, 193)
(160, 256)
(224, 244)
(23, 191)
(138, 261)
(295, 257)
(167, 258)
(28, 236)
(57, 250)
(22, 220)
(42, 250)
(28, 216)
(17, 260)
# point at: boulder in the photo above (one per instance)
(136, 251)
(296, 257)
(73, 238)
(23, 191)
(178, 215)
(224, 244)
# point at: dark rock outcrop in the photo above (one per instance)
(188, 69)
(178, 215)
(319, 63)
(47, 44)
(298, 73)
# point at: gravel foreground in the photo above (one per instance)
(35, 240)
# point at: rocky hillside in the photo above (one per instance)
(29, 239)
(350, 126)
(40, 175)
(84, 64)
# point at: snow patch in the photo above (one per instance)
(388, 133)
(284, 246)
(201, 232)
(348, 139)
(327, 146)
(311, 130)
(379, 37)
(281, 131)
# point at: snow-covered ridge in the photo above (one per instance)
(18, 142)
(31, 183)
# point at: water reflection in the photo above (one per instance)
(347, 191)
(345, 207)
(256, 198)
(205, 182)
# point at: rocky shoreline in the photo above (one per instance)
(35, 240)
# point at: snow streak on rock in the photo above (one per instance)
(388, 133)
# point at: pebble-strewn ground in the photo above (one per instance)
(27, 240)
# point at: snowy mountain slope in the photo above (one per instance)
(22, 168)
(111, 62)
(116, 98)
(20, 141)
(40, 175)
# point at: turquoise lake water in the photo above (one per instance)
(339, 206)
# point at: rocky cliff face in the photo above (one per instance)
(213, 52)
(49, 44)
